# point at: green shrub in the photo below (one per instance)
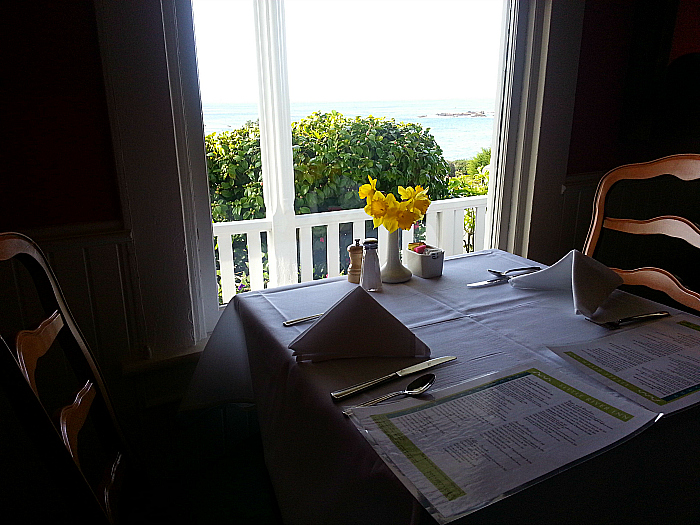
(480, 160)
(333, 155)
(459, 167)
(235, 174)
(467, 185)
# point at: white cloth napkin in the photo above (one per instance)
(590, 281)
(357, 326)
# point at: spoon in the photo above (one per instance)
(414, 388)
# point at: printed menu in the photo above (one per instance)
(480, 441)
(656, 365)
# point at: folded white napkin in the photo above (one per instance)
(590, 281)
(357, 326)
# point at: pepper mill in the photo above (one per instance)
(355, 268)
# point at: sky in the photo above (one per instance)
(355, 50)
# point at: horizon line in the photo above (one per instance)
(484, 98)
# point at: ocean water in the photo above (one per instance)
(460, 137)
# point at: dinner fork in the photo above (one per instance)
(509, 273)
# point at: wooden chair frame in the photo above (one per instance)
(685, 167)
(31, 345)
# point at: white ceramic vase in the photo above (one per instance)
(393, 271)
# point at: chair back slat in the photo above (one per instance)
(33, 344)
(673, 226)
(72, 419)
(660, 279)
(684, 167)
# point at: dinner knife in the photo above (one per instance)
(346, 392)
(613, 325)
(292, 322)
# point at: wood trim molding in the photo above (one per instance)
(540, 68)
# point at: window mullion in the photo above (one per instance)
(276, 139)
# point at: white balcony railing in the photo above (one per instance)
(444, 227)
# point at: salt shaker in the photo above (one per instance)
(355, 268)
(371, 278)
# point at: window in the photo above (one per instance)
(432, 65)
(151, 78)
(339, 52)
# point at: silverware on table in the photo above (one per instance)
(345, 392)
(515, 271)
(504, 277)
(415, 388)
(613, 325)
(292, 322)
(489, 282)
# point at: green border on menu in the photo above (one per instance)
(582, 396)
(634, 388)
(423, 463)
(688, 324)
(449, 489)
(629, 386)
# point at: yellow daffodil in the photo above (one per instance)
(407, 194)
(417, 199)
(390, 218)
(387, 211)
(406, 217)
(421, 200)
(377, 207)
(367, 190)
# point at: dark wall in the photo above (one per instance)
(57, 163)
(686, 37)
(623, 84)
(605, 51)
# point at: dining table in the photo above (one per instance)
(323, 469)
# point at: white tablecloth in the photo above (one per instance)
(322, 469)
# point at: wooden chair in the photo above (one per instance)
(645, 227)
(98, 477)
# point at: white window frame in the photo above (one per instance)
(151, 78)
(532, 125)
(152, 88)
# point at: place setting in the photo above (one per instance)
(478, 441)
(419, 430)
(590, 283)
(468, 413)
